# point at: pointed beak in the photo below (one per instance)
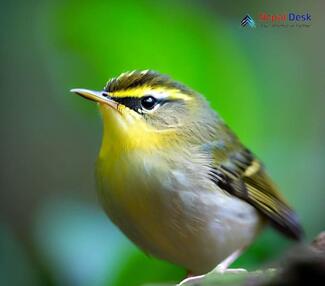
(97, 96)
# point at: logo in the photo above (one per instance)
(284, 20)
(284, 17)
(248, 21)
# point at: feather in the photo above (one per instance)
(242, 175)
(138, 78)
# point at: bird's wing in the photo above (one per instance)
(237, 171)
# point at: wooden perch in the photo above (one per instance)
(303, 265)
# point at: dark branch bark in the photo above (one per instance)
(302, 265)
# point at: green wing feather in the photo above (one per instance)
(235, 169)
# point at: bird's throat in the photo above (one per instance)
(124, 133)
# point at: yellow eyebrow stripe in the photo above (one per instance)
(158, 92)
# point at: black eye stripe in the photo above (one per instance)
(134, 103)
(130, 102)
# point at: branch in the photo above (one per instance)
(301, 265)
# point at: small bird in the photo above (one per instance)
(176, 179)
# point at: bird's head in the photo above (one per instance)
(143, 109)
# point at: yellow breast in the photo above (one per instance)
(166, 211)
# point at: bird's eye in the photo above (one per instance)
(148, 102)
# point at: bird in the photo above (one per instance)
(176, 180)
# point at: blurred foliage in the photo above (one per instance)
(184, 42)
(139, 270)
(16, 267)
(267, 84)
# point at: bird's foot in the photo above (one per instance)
(221, 268)
(216, 271)
(191, 280)
(228, 270)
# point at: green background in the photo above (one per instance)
(267, 83)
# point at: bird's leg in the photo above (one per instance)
(221, 268)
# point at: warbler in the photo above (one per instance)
(176, 179)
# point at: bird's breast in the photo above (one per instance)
(172, 211)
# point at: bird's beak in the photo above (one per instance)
(97, 96)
